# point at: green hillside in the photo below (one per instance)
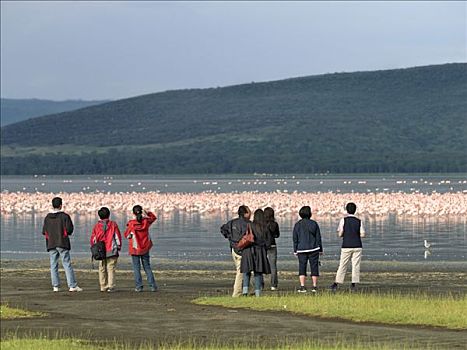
(16, 110)
(403, 120)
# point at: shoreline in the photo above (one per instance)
(287, 267)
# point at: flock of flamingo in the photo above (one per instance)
(329, 203)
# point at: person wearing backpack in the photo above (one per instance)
(140, 243)
(107, 231)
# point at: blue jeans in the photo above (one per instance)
(66, 262)
(258, 282)
(137, 260)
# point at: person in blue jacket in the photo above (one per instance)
(307, 247)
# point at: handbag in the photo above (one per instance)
(247, 239)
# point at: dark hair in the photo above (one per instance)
(138, 211)
(259, 224)
(242, 210)
(104, 213)
(351, 208)
(305, 212)
(57, 202)
(269, 215)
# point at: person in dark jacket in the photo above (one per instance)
(272, 233)
(234, 231)
(107, 231)
(352, 231)
(307, 247)
(57, 230)
(254, 257)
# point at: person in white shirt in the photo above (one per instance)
(352, 231)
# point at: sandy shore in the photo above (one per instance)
(169, 315)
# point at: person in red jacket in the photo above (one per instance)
(137, 232)
(107, 231)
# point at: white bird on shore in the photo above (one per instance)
(427, 254)
(426, 244)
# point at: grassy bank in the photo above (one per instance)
(416, 309)
(9, 313)
(76, 344)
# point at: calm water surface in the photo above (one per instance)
(182, 236)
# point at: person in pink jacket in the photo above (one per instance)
(140, 243)
(107, 231)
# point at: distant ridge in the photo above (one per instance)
(16, 110)
(398, 120)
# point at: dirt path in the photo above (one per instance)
(169, 315)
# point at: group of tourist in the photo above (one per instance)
(58, 226)
(258, 255)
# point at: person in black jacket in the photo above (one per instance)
(307, 247)
(57, 229)
(234, 231)
(254, 257)
(272, 234)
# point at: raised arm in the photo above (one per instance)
(151, 217)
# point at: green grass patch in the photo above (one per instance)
(49, 344)
(418, 310)
(8, 313)
(77, 344)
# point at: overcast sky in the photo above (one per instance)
(85, 50)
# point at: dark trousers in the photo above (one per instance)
(272, 257)
(304, 258)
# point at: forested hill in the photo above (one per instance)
(16, 110)
(402, 120)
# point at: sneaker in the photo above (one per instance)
(110, 290)
(273, 289)
(353, 288)
(56, 289)
(75, 289)
(314, 289)
(333, 287)
(153, 289)
(139, 289)
(302, 289)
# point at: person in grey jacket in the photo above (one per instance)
(234, 231)
(307, 246)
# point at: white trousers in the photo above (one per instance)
(348, 254)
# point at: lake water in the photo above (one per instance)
(193, 236)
